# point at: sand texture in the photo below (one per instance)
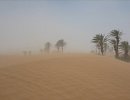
(64, 77)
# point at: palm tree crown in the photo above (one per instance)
(115, 40)
(100, 41)
(60, 44)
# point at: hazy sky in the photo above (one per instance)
(27, 25)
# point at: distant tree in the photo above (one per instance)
(106, 47)
(100, 40)
(110, 49)
(30, 52)
(41, 50)
(129, 50)
(97, 49)
(25, 53)
(125, 47)
(60, 44)
(115, 37)
(47, 47)
(113, 42)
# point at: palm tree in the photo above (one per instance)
(60, 44)
(47, 47)
(125, 47)
(129, 50)
(100, 40)
(97, 49)
(115, 40)
(106, 46)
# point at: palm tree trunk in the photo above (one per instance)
(101, 48)
(126, 54)
(117, 55)
(102, 51)
(58, 49)
(116, 51)
(62, 49)
(117, 48)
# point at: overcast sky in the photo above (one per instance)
(27, 25)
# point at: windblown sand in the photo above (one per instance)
(64, 77)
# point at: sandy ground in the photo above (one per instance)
(64, 77)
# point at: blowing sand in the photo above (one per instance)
(64, 77)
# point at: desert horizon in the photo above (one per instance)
(64, 50)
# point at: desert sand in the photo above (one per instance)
(64, 77)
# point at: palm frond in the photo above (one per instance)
(115, 33)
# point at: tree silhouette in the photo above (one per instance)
(57, 46)
(115, 37)
(47, 47)
(60, 44)
(25, 53)
(106, 46)
(98, 49)
(100, 40)
(41, 50)
(125, 47)
(30, 52)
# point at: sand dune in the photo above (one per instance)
(64, 77)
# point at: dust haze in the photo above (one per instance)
(64, 50)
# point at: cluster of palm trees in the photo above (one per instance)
(59, 45)
(113, 39)
(27, 52)
(47, 48)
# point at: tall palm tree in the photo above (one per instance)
(47, 47)
(100, 40)
(125, 47)
(115, 40)
(60, 44)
